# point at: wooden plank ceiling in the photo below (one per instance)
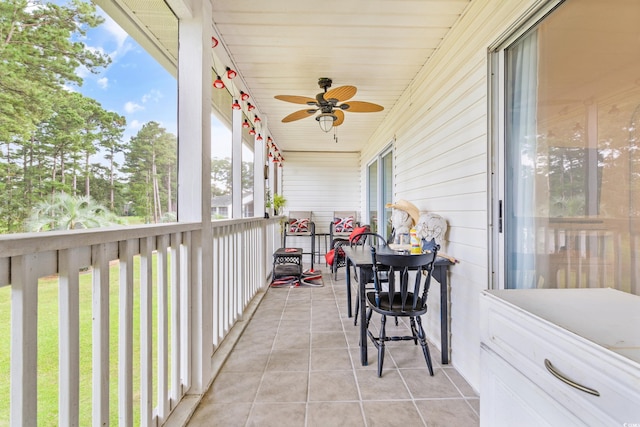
(282, 47)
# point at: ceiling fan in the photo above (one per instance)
(330, 103)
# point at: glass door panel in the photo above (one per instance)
(387, 193)
(373, 196)
(572, 151)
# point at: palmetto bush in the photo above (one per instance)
(66, 212)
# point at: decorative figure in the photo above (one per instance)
(401, 222)
(431, 226)
(405, 214)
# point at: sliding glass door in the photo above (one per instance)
(380, 192)
(570, 191)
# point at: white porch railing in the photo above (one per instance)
(157, 263)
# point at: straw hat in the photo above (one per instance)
(408, 207)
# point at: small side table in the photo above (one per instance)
(287, 262)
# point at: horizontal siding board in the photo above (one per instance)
(322, 183)
(446, 140)
(470, 236)
(464, 218)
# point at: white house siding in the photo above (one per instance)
(322, 183)
(439, 129)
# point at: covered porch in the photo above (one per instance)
(199, 335)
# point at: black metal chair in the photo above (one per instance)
(342, 225)
(373, 240)
(301, 223)
(339, 259)
(401, 299)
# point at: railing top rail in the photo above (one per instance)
(224, 222)
(29, 243)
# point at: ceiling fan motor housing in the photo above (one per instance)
(324, 83)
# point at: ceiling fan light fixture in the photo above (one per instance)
(326, 121)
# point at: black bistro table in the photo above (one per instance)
(360, 257)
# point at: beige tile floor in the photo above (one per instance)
(298, 364)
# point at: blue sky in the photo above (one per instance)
(134, 84)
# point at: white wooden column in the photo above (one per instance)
(194, 177)
(236, 164)
(258, 172)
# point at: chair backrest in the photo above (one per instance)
(368, 237)
(343, 222)
(300, 222)
(403, 296)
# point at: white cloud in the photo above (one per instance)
(132, 107)
(154, 95)
(114, 30)
(82, 72)
(116, 35)
(103, 82)
(135, 125)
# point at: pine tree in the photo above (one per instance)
(39, 55)
(150, 162)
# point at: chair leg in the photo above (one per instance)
(381, 344)
(423, 343)
(414, 332)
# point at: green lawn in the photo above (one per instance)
(48, 348)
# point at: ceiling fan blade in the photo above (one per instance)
(340, 117)
(300, 114)
(341, 93)
(364, 107)
(296, 99)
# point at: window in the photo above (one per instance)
(570, 187)
(380, 192)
